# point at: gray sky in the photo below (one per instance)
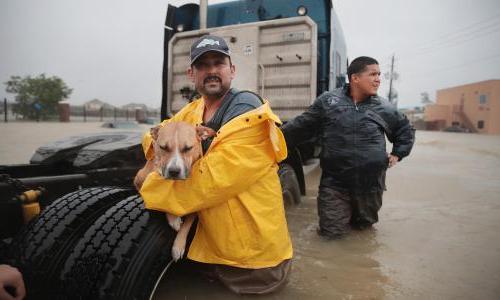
(112, 50)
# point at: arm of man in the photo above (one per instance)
(227, 170)
(304, 126)
(402, 137)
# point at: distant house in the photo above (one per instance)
(96, 104)
(135, 106)
(142, 112)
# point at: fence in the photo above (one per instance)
(6, 111)
(79, 113)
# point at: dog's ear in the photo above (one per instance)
(154, 132)
(204, 132)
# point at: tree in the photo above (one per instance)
(424, 98)
(37, 97)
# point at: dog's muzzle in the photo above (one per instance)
(175, 169)
(175, 173)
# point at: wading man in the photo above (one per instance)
(352, 123)
(241, 235)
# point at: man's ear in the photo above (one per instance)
(154, 132)
(354, 78)
(233, 71)
(190, 74)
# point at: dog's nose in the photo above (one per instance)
(174, 172)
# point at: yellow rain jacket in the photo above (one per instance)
(235, 190)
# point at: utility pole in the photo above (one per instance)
(392, 76)
(390, 81)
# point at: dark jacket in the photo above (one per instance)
(353, 156)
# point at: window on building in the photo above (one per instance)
(480, 124)
(482, 99)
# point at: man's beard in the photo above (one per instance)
(216, 93)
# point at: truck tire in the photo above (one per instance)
(289, 185)
(122, 256)
(42, 247)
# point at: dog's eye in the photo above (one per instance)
(165, 148)
(187, 149)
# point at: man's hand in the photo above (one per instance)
(12, 280)
(393, 159)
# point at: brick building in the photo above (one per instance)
(474, 106)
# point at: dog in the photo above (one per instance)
(176, 145)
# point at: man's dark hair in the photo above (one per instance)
(359, 64)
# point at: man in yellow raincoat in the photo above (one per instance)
(234, 188)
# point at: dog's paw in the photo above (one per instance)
(179, 246)
(175, 223)
(177, 252)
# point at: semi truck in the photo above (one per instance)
(71, 220)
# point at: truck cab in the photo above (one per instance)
(289, 52)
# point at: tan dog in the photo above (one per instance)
(177, 145)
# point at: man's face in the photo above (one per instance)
(367, 81)
(212, 74)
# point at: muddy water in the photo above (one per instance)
(438, 235)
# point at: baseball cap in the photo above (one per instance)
(208, 43)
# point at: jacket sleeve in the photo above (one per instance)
(224, 172)
(402, 135)
(304, 126)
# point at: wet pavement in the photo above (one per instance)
(438, 235)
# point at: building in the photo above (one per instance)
(142, 112)
(135, 106)
(96, 105)
(474, 107)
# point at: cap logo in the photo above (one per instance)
(207, 42)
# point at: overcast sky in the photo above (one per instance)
(112, 49)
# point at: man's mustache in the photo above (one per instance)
(212, 78)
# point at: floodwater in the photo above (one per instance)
(438, 235)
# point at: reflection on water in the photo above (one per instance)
(340, 269)
(322, 269)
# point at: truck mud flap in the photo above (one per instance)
(41, 248)
(122, 256)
